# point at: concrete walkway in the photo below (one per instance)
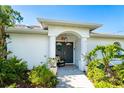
(72, 77)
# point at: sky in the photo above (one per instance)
(111, 17)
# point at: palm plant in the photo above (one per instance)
(107, 54)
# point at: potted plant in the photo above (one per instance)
(52, 65)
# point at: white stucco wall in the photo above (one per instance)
(32, 48)
(94, 41)
(77, 51)
(57, 30)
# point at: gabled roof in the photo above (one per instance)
(46, 22)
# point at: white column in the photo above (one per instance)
(52, 46)
(82, 62)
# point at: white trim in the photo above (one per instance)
(45, 32)
(74, 52)
(82, 62)
(26, 31)
(52, 46)
(103, 35)
(91, 26)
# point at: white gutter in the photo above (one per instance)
(106, 35)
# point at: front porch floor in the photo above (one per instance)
(72, 77)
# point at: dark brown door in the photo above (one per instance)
(65, 51)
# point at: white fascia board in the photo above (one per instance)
(106, 35)
(91, 26)
(26, 30)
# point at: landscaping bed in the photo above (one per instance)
(15, 74)
(38, 77)
(100, 72)
(101, 80)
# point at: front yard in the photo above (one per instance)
(15, 74)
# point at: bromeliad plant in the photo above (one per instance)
(107, 54)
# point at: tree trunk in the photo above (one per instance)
(107, 68)
(109, 71)
(3, 35)
(2, 41)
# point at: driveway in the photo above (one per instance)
(72, 77)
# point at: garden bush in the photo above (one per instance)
(97, 75)
(99, 69)
(11, 70)
(103, 84)
(119, 69)
(13, 85)
(41, 76)
(94, 72)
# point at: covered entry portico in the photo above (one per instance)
(74, 48)
(69, 48)
(77, 34)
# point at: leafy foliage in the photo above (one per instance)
(41, 76)
(52, 62)
(13, 73)
(94, 72)
(120, 71)
(3, 53)
(9, 16)
(11, 70)
(13, 85)
(103, 84)
(99, 70)
(108, 53)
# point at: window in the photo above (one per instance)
(119, 45)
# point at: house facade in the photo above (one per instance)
(69, 40)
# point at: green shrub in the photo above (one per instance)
(99, 70)
(41, 76)
(97, 75)
(94, 72)
(119, 69)
(12, 70)
(13, 85)
(93, 64)
(103, 84)
(115, 81)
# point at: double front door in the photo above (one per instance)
(65, 51)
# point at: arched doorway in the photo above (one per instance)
(78, 50)
(68, 47)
